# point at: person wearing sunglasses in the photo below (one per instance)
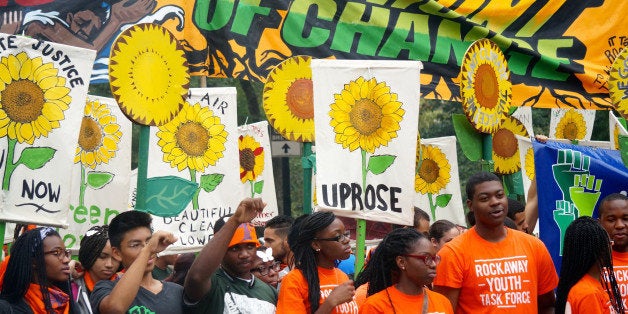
(398, 274)
(37, 275)
(491, 268)
(265, 267)
(316, 285)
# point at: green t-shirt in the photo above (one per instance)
(233, 295)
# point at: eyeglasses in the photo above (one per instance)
(263, 270)
(428, 259)
(60, 253)
(340, 238)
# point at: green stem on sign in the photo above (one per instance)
(432, 206)
(252, 188)
(364, 170)
(198, 190)
(82, 187)
(10, 167)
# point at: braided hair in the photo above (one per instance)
(300, 239)
(27, 262)
(382, 270)
(92, 244)
(586, 245)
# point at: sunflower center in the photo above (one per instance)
(91, 135)
(504, 143)
(193, 139)
(429, 170)
(247, 159)
(486, 88)
(366, 116)
(570, 131)
(299, 99)
(23, 101)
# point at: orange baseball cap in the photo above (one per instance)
(244, 234)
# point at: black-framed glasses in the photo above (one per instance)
(340, 238)
(60, 253)
(264, 270)
(428, 259)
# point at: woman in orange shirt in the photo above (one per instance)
(316, 285)
(36, 279)
(401, 267)
(587, 283)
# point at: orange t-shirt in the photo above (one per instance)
(404, 303)
(588, 296)
(360, 294)
(620, 268)
(293, 293)
(507, 276)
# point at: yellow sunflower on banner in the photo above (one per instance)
(616, 137)
(618, 78)
(99, 136)
(505, 145)
(288, 99)
(571, 126)
(148, 74)
(432, 175)
(32, 98)
(485, 86)
(433, 171)
(365, 115)
(529, 164)
(251, 162)
(194, 139)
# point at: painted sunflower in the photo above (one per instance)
(617, 78)
(505, 145)
(365, 115)
(251, 158)
(433, 170)
(194, 139)
(529, 164)
(148, 74)
(288, 99)
(571, 126)
(32, 98)
(485, 85)
(616, 137)
(99, 135)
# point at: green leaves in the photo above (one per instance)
(379, 163)
(469, 139)
(258, 187)
(36, 157)
(442, 200)
(623, 148)
(168, 196)
(209, 182)
(97, 179)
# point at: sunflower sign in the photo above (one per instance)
(102, 167)
(616, 128)
(571, 181)
(365, 115)
(437, 184)
(256, 168)
(572, 124)
(42, 95)
(195, 159)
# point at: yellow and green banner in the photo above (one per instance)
(559, 52)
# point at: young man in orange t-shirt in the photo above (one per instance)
(613, 213)
(493, 269)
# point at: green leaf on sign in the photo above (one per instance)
(209, 182)
(258, 187)
(378, 164)
(168, 196)
(442, 200)
(36, 157)
(97, 179)
(469, 139)
(623, 148)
